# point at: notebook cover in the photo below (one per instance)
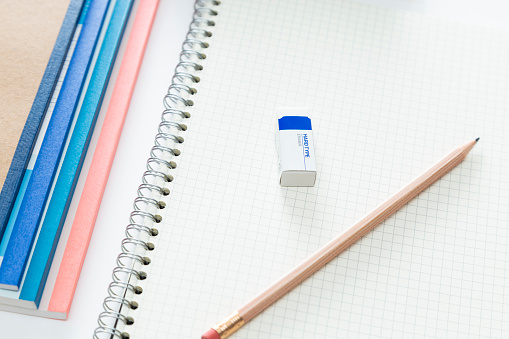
(32, 207)
(28, 31)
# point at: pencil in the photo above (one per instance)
(313, 263)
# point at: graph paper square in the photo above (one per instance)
(389, 93)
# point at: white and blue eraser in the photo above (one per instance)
(294, 138)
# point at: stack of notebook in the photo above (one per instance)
(44, 167)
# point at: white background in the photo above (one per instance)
(172, 21)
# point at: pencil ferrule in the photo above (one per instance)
(229, 325)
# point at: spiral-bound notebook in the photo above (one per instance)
(389, 94)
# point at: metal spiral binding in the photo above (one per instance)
(159, 165)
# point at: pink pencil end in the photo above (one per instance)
(211, 334)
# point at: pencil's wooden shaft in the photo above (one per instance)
(351, 235)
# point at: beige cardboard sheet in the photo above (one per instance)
(28, 31)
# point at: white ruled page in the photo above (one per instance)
(390, 93)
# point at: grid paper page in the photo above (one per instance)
(390, 93)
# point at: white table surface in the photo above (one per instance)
(133, 151)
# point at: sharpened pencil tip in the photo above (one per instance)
(476, 140)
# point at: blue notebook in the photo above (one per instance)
(68, 176)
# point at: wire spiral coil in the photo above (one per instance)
(136, 245)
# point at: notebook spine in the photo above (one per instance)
(115, 320)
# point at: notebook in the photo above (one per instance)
(389, 93)
(33, 289)
(29, 38)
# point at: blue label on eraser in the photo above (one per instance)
(294, 122)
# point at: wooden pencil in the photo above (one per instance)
(313, 263)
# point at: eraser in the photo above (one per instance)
(294, 139)
(211, 334)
